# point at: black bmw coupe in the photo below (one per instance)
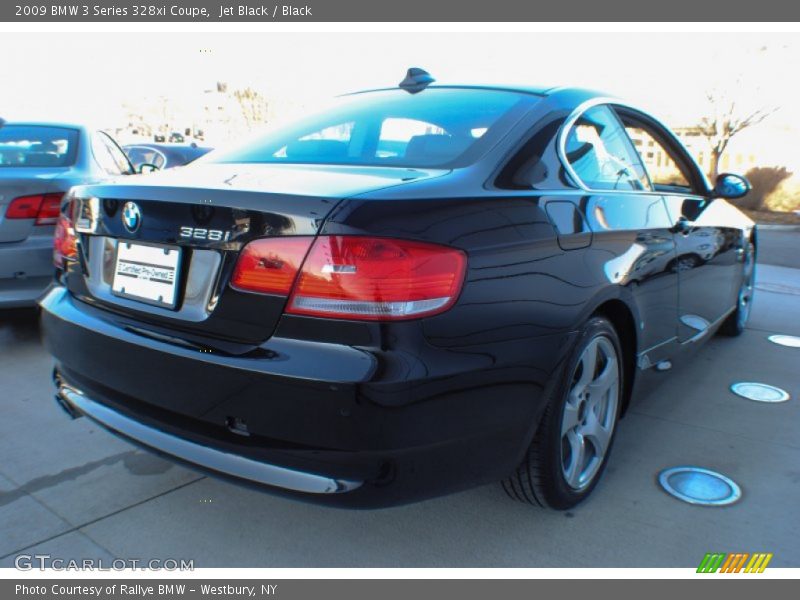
(419, 290)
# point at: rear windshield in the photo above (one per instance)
(438, 127)
(37, 146)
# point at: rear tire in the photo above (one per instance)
(571, 447)
(736, 322)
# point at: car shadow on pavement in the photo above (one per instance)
(18, 325)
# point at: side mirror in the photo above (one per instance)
(147, 168)
(731, 186)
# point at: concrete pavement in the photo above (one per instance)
(69, 489)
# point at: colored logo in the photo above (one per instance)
(738, 562)
(131, 216)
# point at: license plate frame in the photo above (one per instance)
(143, 277)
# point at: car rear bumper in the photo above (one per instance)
(26, 268)
(319, 422)
(78, 404)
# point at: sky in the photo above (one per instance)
(88, 75)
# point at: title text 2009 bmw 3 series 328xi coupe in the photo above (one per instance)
(419, 290)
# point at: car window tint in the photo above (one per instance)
(436, 128)
(37, 146)
(601, 154)
(665, 173)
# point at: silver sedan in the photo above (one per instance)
(39, 163)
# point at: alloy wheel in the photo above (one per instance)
(590, 412)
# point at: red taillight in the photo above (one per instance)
(49, 210)
(270, 265)
(26, 207)
(352, 277)
(42, 207)
(64, 242)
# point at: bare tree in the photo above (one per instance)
(727, 120)
(253, 106)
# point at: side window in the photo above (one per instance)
(666, 171)
(108, 155)
(601, 154)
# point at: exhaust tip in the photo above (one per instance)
(64, 404)
(62, 397)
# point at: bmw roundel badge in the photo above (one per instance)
(131, 216)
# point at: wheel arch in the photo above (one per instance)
(621, 317)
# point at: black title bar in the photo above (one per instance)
(399, 11)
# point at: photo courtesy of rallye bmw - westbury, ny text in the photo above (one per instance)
(309, 294)
(138, 590)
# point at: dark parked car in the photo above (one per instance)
(423, 289)
(163, 156)
(39, 162)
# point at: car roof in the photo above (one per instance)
(63, 124)
(522, 89)
(534, 90)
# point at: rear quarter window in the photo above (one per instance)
(601, 155)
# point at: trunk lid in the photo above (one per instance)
(209, 212)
